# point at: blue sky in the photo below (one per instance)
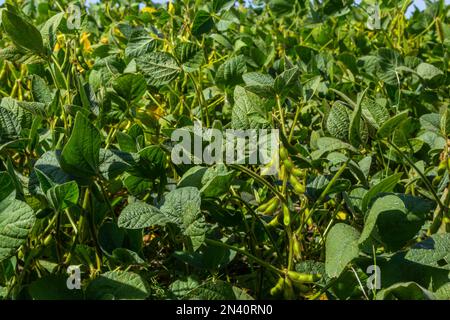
(419, 3)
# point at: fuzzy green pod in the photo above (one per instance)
(278, 288)
(284, 155)
(272, 207)
(286, 215)
(303, 277)
(299, 188)
(288, 165)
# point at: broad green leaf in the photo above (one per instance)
(341, 247)
(247, 112)
(216, 181)
(53, 287)
(182, 287)
(22, 33)
(80, 155)
(48, 164)
(388, 63)
(127, 257)
(389, 126)
(13, 119)
(117, 285)
(64, 195)
(286, 80)
(338, 121)
(110, 237)
(114, 162)
(431, 122)
(428, 72)
(192, 177)
(327, 144)
(183, 205)
(189, 55)
(126, 142)
(230, 72)
(386, 185)
(434, 251)
(139, 44)
(45, 182)
(130, 87)
(375, 114)
(50, 28)
(16, 222)
(40, 89)
(405, 291)
(158, 68)
(405, 215)
(136, 185)
(220, 5)
(138, 215)
(203, 23)
(217, 290)
(259, 83)
(6, 185)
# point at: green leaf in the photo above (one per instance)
(53, 287)
(22, 33)
(13, 119)
(389, 126)
(50, 28)
(48, 164)
(247, 112)
(183, 205)
(40, 90)
(405, 291)
(386, 185)
(230, 72)
(139, 44)
(117, 285)
(327, 144)
(341, 247)
(203, 23)
(110, 237)
(216, 181)
(217, 290)
(158, 68)
(114, 162)
(181, 288)
(338, 121)
(388, 63)
(354, 134)
(16, 221)
(130, 87)
(63, 196)
(433, 252)
(193, 177)
(375, 114)
(404, 214)
(428, 72)
(259, 83)
(80, 155)
(6, 185)
(286, 80)
(138, 215)
(189, 55)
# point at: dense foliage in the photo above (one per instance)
(88, 107)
